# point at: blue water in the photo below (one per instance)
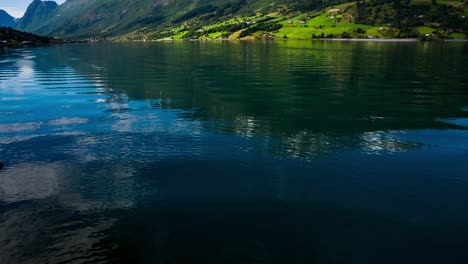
(234, 152)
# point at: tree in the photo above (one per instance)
(345, 35)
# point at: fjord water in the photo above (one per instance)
(234, 152)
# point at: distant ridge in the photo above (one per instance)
(6, 20)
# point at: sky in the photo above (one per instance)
(17, 8)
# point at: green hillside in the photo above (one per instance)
(92, 18)
(125, 20)
(370, 19)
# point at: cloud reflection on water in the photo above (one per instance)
(102, 134)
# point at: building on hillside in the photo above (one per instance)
(334, 11)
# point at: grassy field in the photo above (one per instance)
(299, 27)
(428, 30)
(458, 36)
(179, 35)
(231, 21)
(324, 23)
(328, 23)
(425, 30)
(450, 3)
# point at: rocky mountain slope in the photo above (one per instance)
(92, 18)
(156, 19)
(6, 20)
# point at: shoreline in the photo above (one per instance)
(373, 40)
(393, 40)
(316, 39)
(455, 40)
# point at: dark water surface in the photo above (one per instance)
(235, 152)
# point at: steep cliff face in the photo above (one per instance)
(38, 12)
(6, 20)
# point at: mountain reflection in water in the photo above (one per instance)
(234, 152)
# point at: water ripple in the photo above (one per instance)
(265, 149)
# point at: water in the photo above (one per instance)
(234, 152)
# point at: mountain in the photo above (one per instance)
(156, 19)
(37, 14)
(6, 20)
(102, 18)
